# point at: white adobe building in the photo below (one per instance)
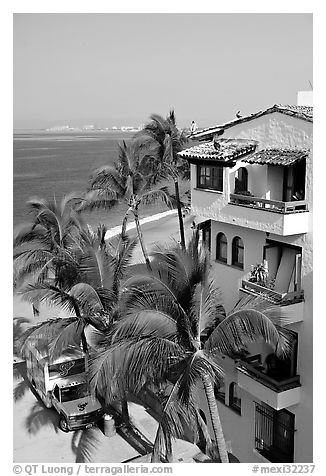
(251, 191)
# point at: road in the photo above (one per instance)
(162, 232)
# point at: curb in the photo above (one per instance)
(117, 229)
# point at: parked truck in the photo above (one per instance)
(62, 384)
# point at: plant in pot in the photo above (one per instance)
(245, 193)
(259, 274)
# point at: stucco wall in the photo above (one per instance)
(274, 189)
(275, 130)
(228, 277)
(279, 130)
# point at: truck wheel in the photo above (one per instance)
(63, 424)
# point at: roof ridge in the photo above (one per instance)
(301, 112)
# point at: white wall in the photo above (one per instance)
(275, 175)
(228, 277)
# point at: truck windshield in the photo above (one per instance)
(74, 392)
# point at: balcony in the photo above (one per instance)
(275, 297)
(281, 218)
(274, 206)
(278, 394)
(292, 303)
(278, 280)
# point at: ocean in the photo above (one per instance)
(54, 164)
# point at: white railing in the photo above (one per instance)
(269, 205)
(275, 296)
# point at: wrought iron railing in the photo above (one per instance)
(274, 434)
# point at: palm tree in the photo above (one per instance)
(94, 294)
(129, 181)
(42, 247)
(158, 339)
(171, 141)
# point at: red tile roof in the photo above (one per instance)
(301, 112)
(220, 150)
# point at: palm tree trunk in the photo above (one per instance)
(205, 432)
(84, 343)
(141, 240)
(83, 337)
(213, 410)
(124, 223)
(181, 225)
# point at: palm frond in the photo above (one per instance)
(70, 202)
(108, 178)
(18, 331)
(38, 270)
(270, 309)
(97, 266)
(41, 417)
(123, 253)
(20, 390)
(124, 360)
(191, 372)
(50, 294)
(145, 323)
(205, 307)
(43, 333)
(37, 203)
(174, 415)
(143, 292)
(87, 444)
(99, 199)
(155, 195)
(68, 337)
(243, 327)
(87, 297)
(29, 233)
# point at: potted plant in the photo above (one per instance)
(245, 193)
(259, 274)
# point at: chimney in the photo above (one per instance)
(304, 98)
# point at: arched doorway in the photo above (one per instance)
(241, 180)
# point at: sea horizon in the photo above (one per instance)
(53, 164)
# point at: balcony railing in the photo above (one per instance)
(271, 294)
(269, 205)
(266, 380)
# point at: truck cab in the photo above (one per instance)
(77, 408)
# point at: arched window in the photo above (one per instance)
(221, 248)
(234, 397)
(241, 180)
(237, 252)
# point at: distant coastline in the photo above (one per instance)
(74, 130)
(48, 164)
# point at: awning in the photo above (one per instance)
(277, 156)
(220, 151)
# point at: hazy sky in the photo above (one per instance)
(116, 69)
